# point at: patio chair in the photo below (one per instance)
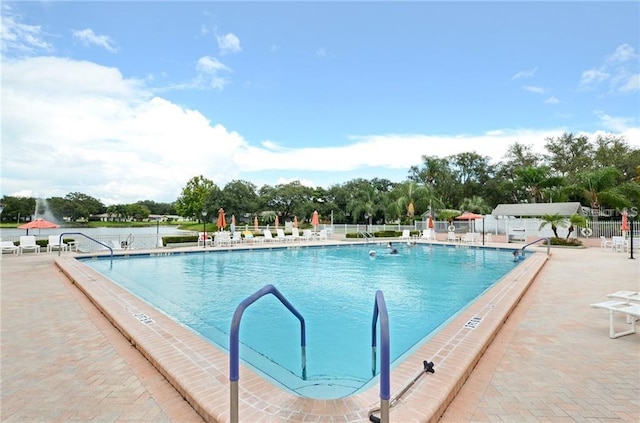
(451, 236)
(631, 310)
(55, 244)
(280, 236)
(9, 247)
(268, 236)
(28, 242)
(605, 243)
(406, 235)
(204, 239)
(295, 235)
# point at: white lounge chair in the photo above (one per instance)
(406, 235)
(307, 234)
(54, 243)
(222, 239)
(268, 236)
(236, 238)
(28, 242)
(295, 235)
(280, 236)
(428, 234)
(204, 239)
(322, 235)
(9, 247)
(631, 310)
(626, 295)
(451, 236)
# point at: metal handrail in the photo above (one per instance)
(538, 240)
(86, 236)
(234, 341)
(380, 308)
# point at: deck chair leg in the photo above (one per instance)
(612, 332)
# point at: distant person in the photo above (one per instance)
(372, 253)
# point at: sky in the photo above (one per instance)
(128, 100)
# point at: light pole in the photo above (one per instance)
(204, 228)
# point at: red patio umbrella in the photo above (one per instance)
(469, 216)
(222, 221)
(38, 224)
(314, 220)
(430, 223)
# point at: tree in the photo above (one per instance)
(17, 208)
(83, 205)
(569, 155)
(412, 196)
(576, 220)
(475, 204)
(554, 220)
(240, 198)
(534, 181)
(193, 198)
(364, 204)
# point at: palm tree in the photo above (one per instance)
(364, 204)
(576, 220)
(475, 204)
(554, 220)
(412, 196)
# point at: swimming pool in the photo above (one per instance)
(333, 288)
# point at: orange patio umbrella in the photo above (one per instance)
(38, 224)
(430, 223)
(295, 221)
(469, 216)
(277, 222)
(255, 223)
(222, 221)
(314, 220)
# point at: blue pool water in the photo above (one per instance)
(334, 290)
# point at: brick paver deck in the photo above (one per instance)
(552, 360)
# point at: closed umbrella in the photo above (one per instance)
(315, 221)
(277, 222)
(255, 223)
(295, 221)
(624, 227)
(233, 223)
(430, 223)
(222, 221)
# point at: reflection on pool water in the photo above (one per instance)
(334, 290)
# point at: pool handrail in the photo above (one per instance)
(86, 236)
(380, 309)
(538, 240)
(234, 341)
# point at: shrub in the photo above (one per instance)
(571, 242)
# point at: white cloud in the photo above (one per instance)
(525, 73)
(533, 89)
(228, 43)
(592, 77)
(623, 53)
(552, 100)
(17, 37)
(87, 37)
(621, 75)
(632, 83)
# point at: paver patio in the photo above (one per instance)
(552, 360)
